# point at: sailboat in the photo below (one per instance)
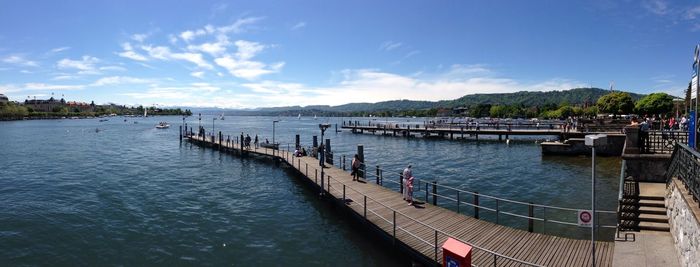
(222, 116)
(145, 112)
(299, 116)
(314, 116)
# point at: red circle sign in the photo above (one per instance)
(585, 217)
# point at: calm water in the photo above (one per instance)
(133, 195)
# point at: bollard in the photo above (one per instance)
(401, 186)
(476, 205)
(180, 133)
(296, 142)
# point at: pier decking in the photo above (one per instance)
(423, 228)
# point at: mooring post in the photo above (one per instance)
(315, 142)
(530, 221)
(476, 205)
(401, 186)
(377, 174)
(180, 133)
(434, 192)
(329, 152)
(361, 156)
(241, 143)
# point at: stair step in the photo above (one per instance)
(651, 203)
(654, 226)
(661, 198)
(653, 218)
(652, 210)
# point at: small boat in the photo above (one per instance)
(222, 116)
(103, 120)
(299, 116)
(270, 145)
(314, 117)
(162, 125)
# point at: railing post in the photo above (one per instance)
(377, 176)
(436, 245)
(476, 205)
(365, 214)
(316, 176)
(457, 201)
(401, 186)
(497, 210)
(394, 235)
(344, 200)
(544, 220)
(426, 191)
(343, 162)
(307, 169)
(434, 193)
(530, 213)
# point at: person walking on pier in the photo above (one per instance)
(256, 141)
(355, 165)
(408, 172)
(247, 141)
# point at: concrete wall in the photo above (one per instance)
(647, 167)
(684, 219)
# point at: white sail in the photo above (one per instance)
(299, 117)
(145, 112)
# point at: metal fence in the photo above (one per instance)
(662, 141)
(685, 165)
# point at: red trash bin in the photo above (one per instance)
(456, 254)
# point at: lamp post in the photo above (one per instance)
(593, 141)
(273, 131)
(323, 127)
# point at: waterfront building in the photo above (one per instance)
(47, 105)
(4, 99)
(75, 106)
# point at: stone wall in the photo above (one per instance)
(684, 219)
(647, 167)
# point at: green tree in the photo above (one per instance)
(656, 103)
(616, 103)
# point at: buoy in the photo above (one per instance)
(507, 141)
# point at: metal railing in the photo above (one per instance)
(662, 141)
(396, 226)
(472, 203)
(685, 165)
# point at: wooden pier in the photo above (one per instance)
(456, 132)
(422, 229)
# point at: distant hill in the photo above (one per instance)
(576, 96)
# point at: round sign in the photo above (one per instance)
(585, 217)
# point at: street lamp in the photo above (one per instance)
(594, 141)
(323, 127)
(273, 131)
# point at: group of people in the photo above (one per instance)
(300, 152)
(247, 139)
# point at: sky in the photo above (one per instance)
(248, 54)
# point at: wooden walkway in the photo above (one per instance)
(424, 227)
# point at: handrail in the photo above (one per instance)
(430, 227)
(370, 174)
(685, 165)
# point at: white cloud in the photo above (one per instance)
(115, 80)
(390, 45)
(59, 49)
(658, 7)
(139, 37)
(130, 53)
(85, 65)
(19, 60)
(240, 64)
(193, 90)
(214, 48)
(692, 13)
(241, 25)
(198, 74)
(298, 26)
(112, 68)
(164, 53)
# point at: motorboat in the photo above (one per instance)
(163, 125)
(270, 145)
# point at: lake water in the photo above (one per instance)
(130, 194)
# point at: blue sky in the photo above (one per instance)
(245, 54)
